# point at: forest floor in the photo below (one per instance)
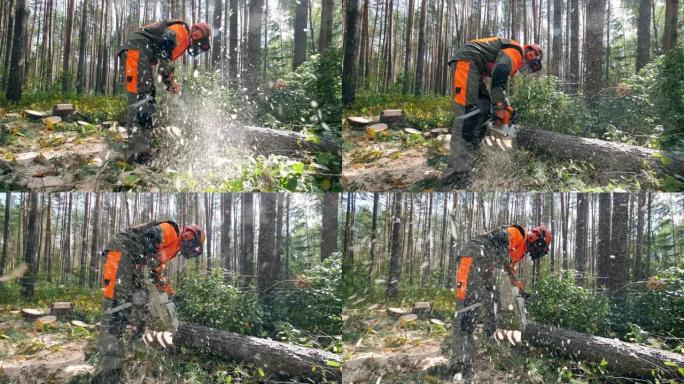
(395, 159)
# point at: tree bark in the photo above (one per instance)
(94, 245)
(17, 61)
(329, 224)
(420, 59)
(639, 246)
(603, 154)
(5, 234)
(619, 259)
(670, 31)
(275, 357)
(395, 249)
(325, 37)
(374, 238)
(233, 43)
(216, 46)
(82, 41)
(407, 57)
(643, 34)
(593, 47)
(247, 257)
(557, 46)
(625, 358)
(300, 21)
(66, 63)
(581, 233)
(267, 211)
(603, 252)
(350, 52)
(253, 57)
(28, 281)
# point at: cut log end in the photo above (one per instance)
(31, 314)
(396, 312)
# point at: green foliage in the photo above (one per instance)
(274, 174)
(561, 303)
(541, 104)
(425, 112)
(212, 301)
(656, 306)
(315, 303)
(87, 302)
(308, 97)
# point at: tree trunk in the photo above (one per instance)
(632, 360)
(253, 59)
(247, 257)
(395, 249)
(604, 154)
(593, 47)
(619, 259)
(574, 67)
(226, 222)
(581, 233)
(643, 34)
(66, 63)
(282, 359)
(639, 246)
(84, 242)
(266, 141)
(28, 281)
(407, 57)
(603, 256)
(82, 41)
(350, 52)
(325, 37)
(233, 42)
(267, 211)
(374, 239)
(420, 59)
(329, 224)
(557, 47)
(216, 53)
(17, 62)
(300, 22)
(94, 244)
(209, 215)
(5, 234)
(670, 31)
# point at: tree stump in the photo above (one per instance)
(45, 321)
(35, 115)
(357, 121)
(31, 314)
(62, 309)
(373, 130)
(393, 118)
(63, 110)
(52, 120)
(422, 308)
(396, 312)
(408, 318)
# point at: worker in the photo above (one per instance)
(151, 245)
(160, 43)
(475, 282)
(495, 58)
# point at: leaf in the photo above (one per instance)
(298, 167)
(670, 364)
(131, 180)
(332, 363)
(604, 363)
(261, 372)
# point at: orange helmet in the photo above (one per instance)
(535, 63)
(192, 238)
(200, 38)
(538, 241)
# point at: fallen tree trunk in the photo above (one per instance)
(266, 141)
(602, 154)
(624, 358)
(279, 358)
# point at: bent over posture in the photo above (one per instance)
(160, 43)
(496, 58)
(503, 247)
(149, 246)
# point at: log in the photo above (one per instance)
(625, 358)
(275, 357)
(266, 141)
(31, 314)
(603, 154)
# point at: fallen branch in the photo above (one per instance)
(603, 154)
(625, 358)
(279, 358)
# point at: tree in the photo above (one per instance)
(28, 281)
(407, 57)
(216, 53)
(247, 256)
(557, 47)
(94, 244)
(639, 246)
(226, 222)
(325, 36)
(82, 41)
(670, 31)
(603, 261)
(581, 236)
(84, 242)
(420, 60)
(374, 238)
(66, 63)
(618, 269)
(395, 249)
(351, 51)
(267, 250)
(17, 61)
(5, 234)
(301, 12)
(593, 47)
(329, 224)
(233, 42)
(643, 34)
(574, 45)
(253, 59)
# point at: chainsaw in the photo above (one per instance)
(521, 305)
(502, 131)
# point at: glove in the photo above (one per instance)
(519, 284)
(503, 113)
(524, 295)
(174, 88)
